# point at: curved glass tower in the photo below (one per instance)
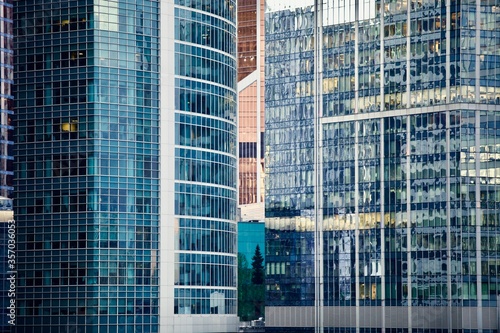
(126, 186)
(382, 164)
(205, 165)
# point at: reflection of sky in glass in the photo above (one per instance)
(334, 12)
(345, 11)
(278, 5)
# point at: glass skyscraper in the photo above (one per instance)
(125, 166)
(383, 166)
(251, 105)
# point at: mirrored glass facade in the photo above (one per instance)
(382, 196)
(251, 105)
(126, 176)
(87, 165)
(250, 235)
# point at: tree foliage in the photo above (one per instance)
(257, 267)
(251, 288)
(245, 305)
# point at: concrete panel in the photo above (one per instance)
(396, 317)
(429, 317)
(370, 316)
(456, 318)
(290, 316)
(490, 318)
(340, 316)
(306, 316)
(469, 318)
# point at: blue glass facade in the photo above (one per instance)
(90, 101)
(381, 153)
(87, 165)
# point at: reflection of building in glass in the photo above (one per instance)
(382, 145)
(251, 101)
(111, 151)
(251, 295)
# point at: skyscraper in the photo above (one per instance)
(126, 166)
(382, 164)
(251, 107)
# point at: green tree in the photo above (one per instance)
(257, 294)
(257, 267)
(251, 287)
(245, 303)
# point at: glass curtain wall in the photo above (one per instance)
(251, 104)
(205, 163)
(402, 100)
(87, 164)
